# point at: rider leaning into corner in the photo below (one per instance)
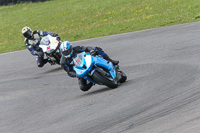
(66, 61)
(32, 41)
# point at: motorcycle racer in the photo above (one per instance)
(66, 61)
(32, 41)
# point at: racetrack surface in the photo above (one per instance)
(161, 95)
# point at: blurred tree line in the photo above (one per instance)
(13, 2)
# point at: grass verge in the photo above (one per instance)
(83, 19)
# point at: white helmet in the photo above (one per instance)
(66, 48)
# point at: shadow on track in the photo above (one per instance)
(99, 91)
(53, 70)
(106, 89)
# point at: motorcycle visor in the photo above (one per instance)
(66, 52)
(28, 34)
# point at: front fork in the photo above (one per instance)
(118, 71)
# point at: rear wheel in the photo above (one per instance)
(101, 79)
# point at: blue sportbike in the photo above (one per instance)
(97, 70)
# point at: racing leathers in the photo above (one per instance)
(67, 63)
(33, 45)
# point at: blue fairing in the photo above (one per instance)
(84, 66)
(105, 64)
(80, 70)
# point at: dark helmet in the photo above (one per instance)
(27, 32)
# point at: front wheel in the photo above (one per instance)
(57, 56)
(101, 79)
(123, 77)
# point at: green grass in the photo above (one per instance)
(82, 19)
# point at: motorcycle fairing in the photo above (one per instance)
(105, 64)
(83, 63)
(84, 66)
(48, 44)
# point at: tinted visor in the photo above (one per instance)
(28, 34)
(67, 52)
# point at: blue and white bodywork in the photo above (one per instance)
(95, 69)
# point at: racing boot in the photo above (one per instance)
(40, 61)
(115, 62)
(84, 84)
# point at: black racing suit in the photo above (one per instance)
(67, 64)
(33, 45)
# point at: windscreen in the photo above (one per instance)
(45, 41)
(78, 59)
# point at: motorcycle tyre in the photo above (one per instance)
(123, 78)
(101, 79)
(57, 56)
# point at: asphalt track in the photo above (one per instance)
(161, 95)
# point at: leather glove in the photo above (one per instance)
(58, 38)
(92, 52)
(54, 34)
